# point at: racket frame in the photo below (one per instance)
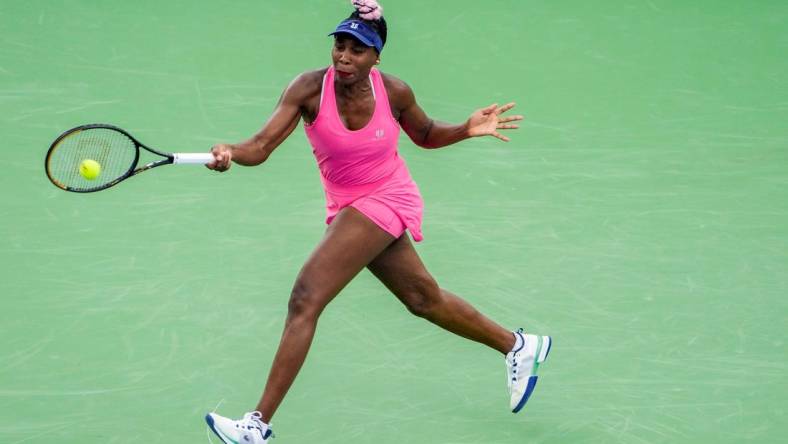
(168, 158)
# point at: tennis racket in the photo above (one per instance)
(111, 154)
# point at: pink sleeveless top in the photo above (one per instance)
(362, 168)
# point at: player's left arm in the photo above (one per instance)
(429, 133)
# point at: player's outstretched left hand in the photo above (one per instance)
(487, 121)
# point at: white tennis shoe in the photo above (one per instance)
(521, 365)
(249, 430)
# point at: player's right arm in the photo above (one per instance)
(284, 119)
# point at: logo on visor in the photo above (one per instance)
(354, 26)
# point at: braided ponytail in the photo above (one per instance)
(372, 13)
(368, 9)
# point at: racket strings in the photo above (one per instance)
(112, 150)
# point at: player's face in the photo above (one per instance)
(352, 59)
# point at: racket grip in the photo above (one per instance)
(192, 158)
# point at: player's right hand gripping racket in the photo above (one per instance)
(114, 154)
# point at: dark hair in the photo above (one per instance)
(378, 25)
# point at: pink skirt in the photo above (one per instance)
(393, 203)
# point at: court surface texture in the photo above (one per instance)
(639, 216)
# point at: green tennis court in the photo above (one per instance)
(639, 216)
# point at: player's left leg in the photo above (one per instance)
(402, 271)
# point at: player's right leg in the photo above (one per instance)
(350, 243)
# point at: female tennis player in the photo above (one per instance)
(352, 116)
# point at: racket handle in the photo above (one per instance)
(192, 158)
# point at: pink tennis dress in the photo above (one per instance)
(362, 168)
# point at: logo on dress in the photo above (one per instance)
(379, 134)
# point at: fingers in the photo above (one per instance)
(510, 119)
(503, 122)
(500, 136)
(222, 158)
(494, 108)
(505, 108)
(490, 109)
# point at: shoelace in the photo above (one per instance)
(512, 369)
(253, 420)
(511, 363)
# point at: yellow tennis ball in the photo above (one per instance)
(89, 169)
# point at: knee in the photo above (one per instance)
(304, 303)
(422, 297)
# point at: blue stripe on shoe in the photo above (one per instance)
(549, 346)
(528, 390)
(209, 420)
